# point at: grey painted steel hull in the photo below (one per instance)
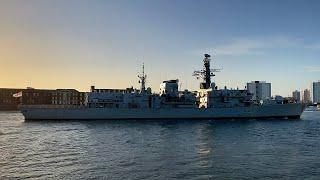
(266, 111)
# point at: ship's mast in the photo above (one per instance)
(206, 73)
(142, 80)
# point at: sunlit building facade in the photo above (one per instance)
(306, 98)
(296, 95)
(261, 90)
(316, 92)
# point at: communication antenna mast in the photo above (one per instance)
(180, 86)
(142, 80)
(206, 73)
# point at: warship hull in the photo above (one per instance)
(251, 112)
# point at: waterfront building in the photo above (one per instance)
(7, 101)
(11, 98)
(316, 92)
(31, 96)
(68, 97)
(261, 90)
(296, 95)
(306, 98)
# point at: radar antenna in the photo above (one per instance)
(206, 73)
(142, 80)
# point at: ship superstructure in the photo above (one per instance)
(206, 73)
(209, 102)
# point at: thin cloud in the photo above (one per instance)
(239, 47)
(315, 46)
(254, 46)
(312, 69)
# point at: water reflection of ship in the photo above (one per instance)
(205, 144)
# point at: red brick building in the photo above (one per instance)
(68, 97)
(7, 101)
(32, 96)
(36, 96)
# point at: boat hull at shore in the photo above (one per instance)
(252, 112)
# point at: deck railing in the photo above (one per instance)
(49, 106)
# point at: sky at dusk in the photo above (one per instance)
(77, 43)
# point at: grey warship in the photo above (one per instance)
(208, 102)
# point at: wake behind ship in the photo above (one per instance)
(170, 103)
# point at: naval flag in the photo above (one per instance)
(16, 95)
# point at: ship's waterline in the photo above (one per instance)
(271, 111)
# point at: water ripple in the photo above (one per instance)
(159, 149)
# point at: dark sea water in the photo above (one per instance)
(206, 149)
